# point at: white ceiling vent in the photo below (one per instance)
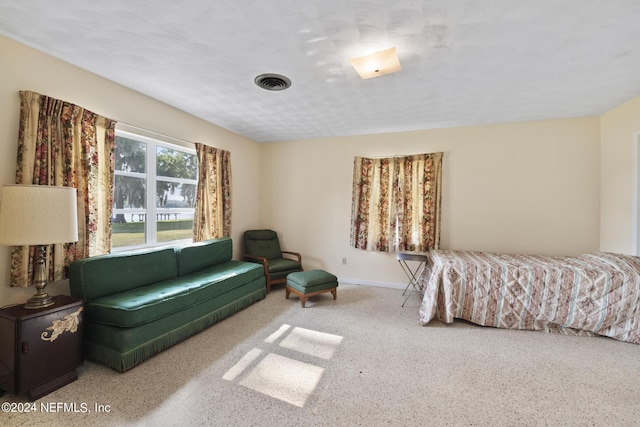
(272, 81)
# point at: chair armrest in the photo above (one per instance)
(296, 254)
(256, 258)
(259, 260)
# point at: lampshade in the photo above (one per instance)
(377, 64)
(38, 215)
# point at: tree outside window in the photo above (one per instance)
(154, 192)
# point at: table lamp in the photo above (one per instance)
(38, 215)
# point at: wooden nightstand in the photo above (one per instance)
(40, 349)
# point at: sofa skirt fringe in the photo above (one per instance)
(124, 361)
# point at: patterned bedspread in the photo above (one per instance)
(593, 293)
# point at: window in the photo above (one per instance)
(396, 203)
(154, 192)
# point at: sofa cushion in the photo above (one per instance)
(96, 277)
(198, 256)
(148, 303)
(128, 339)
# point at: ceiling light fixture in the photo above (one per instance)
(377, 64)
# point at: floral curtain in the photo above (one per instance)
(212, 216)
(63, 144)
(396, 203)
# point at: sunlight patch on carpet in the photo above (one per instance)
(277, 334)
(239, 367)
(283, 377)
(314, 343)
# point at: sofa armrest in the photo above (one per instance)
(296, 254)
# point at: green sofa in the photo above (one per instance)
(140, 303)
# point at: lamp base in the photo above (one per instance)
(39, 300)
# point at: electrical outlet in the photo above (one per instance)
(344, 261)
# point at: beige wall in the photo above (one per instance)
(525, 187)
(23, 68)
(620, 130)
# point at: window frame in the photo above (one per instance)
(152, 142)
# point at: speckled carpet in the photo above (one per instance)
(362, 360)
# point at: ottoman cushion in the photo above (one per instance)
(312, 281)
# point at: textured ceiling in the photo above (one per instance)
(464, 62)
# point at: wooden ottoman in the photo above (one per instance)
(306, 284)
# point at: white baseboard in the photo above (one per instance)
(393, 285)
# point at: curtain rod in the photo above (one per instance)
(154, 133)
(396, 156)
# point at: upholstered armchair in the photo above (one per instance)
(263, 246)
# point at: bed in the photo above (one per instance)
(595, 293)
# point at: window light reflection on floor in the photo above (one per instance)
(277, 334)
(284, 378)
(314, 343)
(239, 367)
(281, 377)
